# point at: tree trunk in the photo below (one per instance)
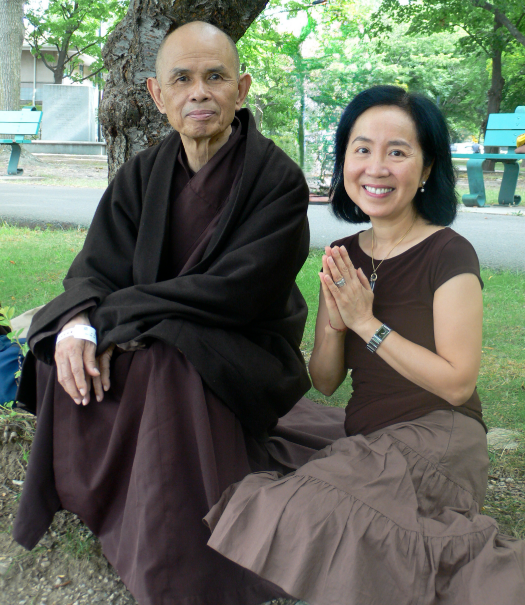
(58, 75)
(129, 118)
(300, 124)
(494, 95)
(11, 40)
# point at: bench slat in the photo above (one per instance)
(490, 156)
(21, 116)
(506, 138)
(14, 128)
(506, 121)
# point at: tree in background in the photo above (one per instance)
(309, 79)
(73, 28)
(130, 120)
(494, 30)
(11, 40)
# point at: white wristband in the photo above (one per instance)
(79, 331)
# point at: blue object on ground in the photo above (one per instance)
(10, 362)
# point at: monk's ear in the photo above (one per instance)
(245, 81)
(156, 94)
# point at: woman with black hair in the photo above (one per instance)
(390, 514)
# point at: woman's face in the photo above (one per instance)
(384, 163)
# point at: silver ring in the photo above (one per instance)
(340, 283)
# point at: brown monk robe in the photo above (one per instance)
(144, 466)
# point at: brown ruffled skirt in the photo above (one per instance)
(387, 519)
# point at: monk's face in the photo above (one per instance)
(198, 86)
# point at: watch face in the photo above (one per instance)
(382, 332)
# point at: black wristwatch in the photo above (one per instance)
(378, 337)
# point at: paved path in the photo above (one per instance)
(32, 204)
(499, 239)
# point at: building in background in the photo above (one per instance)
(34, 74)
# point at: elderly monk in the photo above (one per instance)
(187, 276)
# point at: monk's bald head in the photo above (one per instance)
(205, 33)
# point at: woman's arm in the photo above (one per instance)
(327, 367)
(452, 371)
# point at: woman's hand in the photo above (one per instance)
(355, 298)
(334, 317)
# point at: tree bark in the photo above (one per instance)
(11, 40)
(130, 120)
(494, 95)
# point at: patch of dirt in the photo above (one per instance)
(67, 567)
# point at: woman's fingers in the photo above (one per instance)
(343, 252)
(334, 316)
(343, 262)
(328, 298)
(363, 279)
(329, 283)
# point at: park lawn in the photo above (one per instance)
(33, 264)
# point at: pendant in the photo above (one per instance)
(373, 279)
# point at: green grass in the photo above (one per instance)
(501, 383)
(33, 264)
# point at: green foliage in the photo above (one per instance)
(479, 36)
(72, 27)
(304, 80)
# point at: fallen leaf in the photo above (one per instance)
(12, 262)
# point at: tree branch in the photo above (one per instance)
(501, 18)
(91, 75)
(79, 52)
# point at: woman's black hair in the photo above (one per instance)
(438, 203)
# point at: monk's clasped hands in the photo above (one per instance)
(350, 301)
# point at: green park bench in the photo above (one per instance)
(502, 131)
(19, 124)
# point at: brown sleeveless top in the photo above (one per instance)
(404, 296)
